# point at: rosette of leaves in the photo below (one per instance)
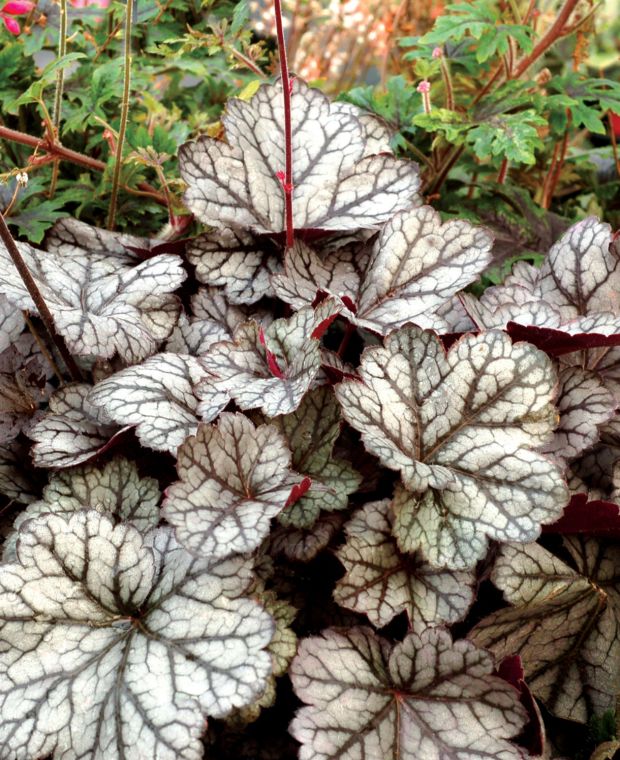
(122, 641)
(99, 308)
(564, 622)
(270, 368)
(423, 697)
(464, 429)
(340, 182)
(415, 266)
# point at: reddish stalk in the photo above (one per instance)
(554, 32)
(503, 172)
(39, 301)
(287, 179)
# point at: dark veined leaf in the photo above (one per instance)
(11, 323)
(415, 267)
(123, 642)
(381, 581)
(463, 429)
(115, 490)
(564, 622)
(72, 431)
(303, 544)
(158, 397)
(234, 477)
(338, 184)
(98, 308)
(424, 697)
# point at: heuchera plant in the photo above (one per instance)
(293, 453)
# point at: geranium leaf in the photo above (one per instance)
(337, 185)
(158, 397)
(115, 490)
(234, 477)
(311, 432)
(236, 260)
(424, 697)
(100, 311)
(72, 431)
(584, 404)
(381, 581)
(564, 622)
(270, 368)
(95, 620)
(462, 428)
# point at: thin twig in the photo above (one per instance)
(120, 143)
(287, 184)
(43, 348)
(555, 31)
(60, 83)
(39, 301)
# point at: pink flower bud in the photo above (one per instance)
(437, 52)
(17, 7)
(424, 87)
(11, 24)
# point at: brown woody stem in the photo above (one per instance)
(39, 301)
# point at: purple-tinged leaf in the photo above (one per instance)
(16, 481)
(424, 697)
(563, 621)
(533, 736)
(382, 582)
(557, 342)
(303, 544)
(588, 517)
(234, 477)
(123, 641)
(158, 397)
(463, 429)
(337, 185)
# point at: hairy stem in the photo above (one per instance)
(39, 301)
(120, 144)
(287, 183)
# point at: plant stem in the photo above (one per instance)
(287, 184)
(553, 33)
(247, 62)
(39, 301)
(503, 172)
(56, 150)
(120, 144)
(614, 143)
(60, 82)
(43, 348)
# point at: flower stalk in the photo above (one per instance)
(286, 179)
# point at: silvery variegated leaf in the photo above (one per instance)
(72, 431)
(270, 368)
(115, 490)
(415, 267)
(123, 642)
(377, 134)
(157, 397)
(303, 544)
(463, 429)
(72, 237)
(579, 277)
(425, 697)
(11, 323)
(584, 404)
(564, 622)
(311, 432)
(381, 581)
(233, 478)
(237, 261)
(212, 320)
(336, 184)
(100, 310)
